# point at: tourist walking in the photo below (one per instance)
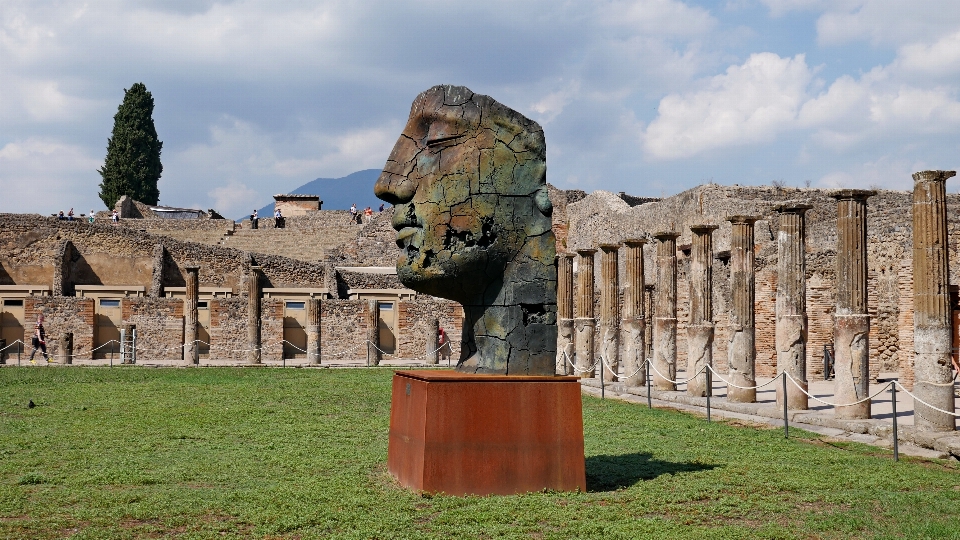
(39, 341)
(444, 343)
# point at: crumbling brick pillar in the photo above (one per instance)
(932, 329)
(253, 315)
(191, 349)
(742, 351)
(433, 341)
(852, 332)
(633, 326)
(609, 311)
(374, 356)
(791, 333)
(565, 331)
(665, 313)
(700, 329)
(585, 323)
(313, 331)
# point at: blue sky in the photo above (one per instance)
(650, 97)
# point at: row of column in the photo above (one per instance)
(191, 349)
(623, 338)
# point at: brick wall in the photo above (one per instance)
(159, 324)
(228, 329)
(62, 314)
(412, 325)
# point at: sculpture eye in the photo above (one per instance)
(443, 140)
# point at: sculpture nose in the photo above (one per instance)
(394, 188)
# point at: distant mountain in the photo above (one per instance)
(337, 193)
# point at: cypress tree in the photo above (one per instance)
(132, 166)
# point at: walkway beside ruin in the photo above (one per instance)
(819, 418)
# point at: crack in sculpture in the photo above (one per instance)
(468, 179)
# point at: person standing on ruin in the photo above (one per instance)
(368, 214)
(92, 216)
(115, 217)
(353, 213)
(254, 220)
(381, 207)
(39, 341)
(70, 215)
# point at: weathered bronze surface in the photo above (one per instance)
(468, 179)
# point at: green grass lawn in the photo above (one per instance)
(270, 453)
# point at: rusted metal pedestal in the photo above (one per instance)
(462, 434)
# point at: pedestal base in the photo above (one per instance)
(463, 434)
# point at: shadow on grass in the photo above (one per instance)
(608, 473)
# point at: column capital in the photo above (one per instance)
(933, 176)
(852, 194)
(586, 252)
(743, 219)
(666, 235)
(607, 246)
(635, 242)
(793, 207)
(192, 268)
(703, 228)
(566, 255)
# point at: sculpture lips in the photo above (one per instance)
(404, 234)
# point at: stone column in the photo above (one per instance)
(932, 327)
(191, 349)
(374, 356)
(585, 323)
(665, 312)
(633, 326)
(791, 312)
(313, 331)
(565, 331)
(742, 351)
(851, 335)
(433, 341)
(253, 315)
(66, 348)
(700, 329)
(609, 311)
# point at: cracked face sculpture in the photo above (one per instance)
(468, 181)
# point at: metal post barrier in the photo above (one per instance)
(896, 437)
(601, 378)
(133, 351)
(649, 399)
(19, 352)
(123, 346)
(786, 425)
(112, 343)
(709, 383)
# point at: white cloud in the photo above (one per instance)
(941, 58)
(750, 103)
(46, 175)
(659, 17)
(234, 197)
(884, 173)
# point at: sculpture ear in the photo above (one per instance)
(542, 198)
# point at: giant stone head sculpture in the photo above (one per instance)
(468, 181)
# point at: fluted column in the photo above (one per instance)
(565, 331)
(742, 351)
(609, 311)
(852, 333)
(191, 349)
(253, 315)
(932, 328)
(374, 356)
(585, 323)
(791, 334)
(313, 331)
(665, 312)
(433, 341)
(700, 329)
(633, 326)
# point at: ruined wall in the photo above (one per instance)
(62, 314)
(271, 330)
(412, 325)
(159, 323)
(343, 330)
(228, 329)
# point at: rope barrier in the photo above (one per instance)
(868, 398)
(10, 346)
(918, 400)
(771, 381)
